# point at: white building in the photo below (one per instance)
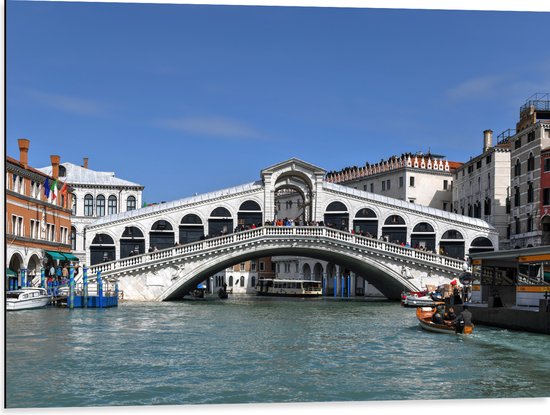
(481, 186)
(96, 194)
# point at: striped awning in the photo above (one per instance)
(63, 256)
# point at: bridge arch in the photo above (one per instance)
(161, 234)
(102, 248)
(386, 279)
(191, 228)
(366, 222)
(132, 241)
(250, 213)
(220, 221)
(481, 244)
(395, 229)
(306, 271)
(423, 236)
(337, 215)
(318, 271)
(452, 244)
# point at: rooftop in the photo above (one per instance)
(80, 175)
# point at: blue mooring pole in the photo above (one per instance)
(85, 284)
(343, 285)
(324, 286)
(23, 277)
(43, 277)
(99, 290)
(71, 286)
(349, 286)
(335, 287)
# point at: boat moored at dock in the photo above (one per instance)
(289, 288)
(27, 298)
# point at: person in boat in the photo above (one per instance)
(449, 314)
(463, 319)
(437, 317)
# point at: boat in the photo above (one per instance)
(424, 315)
(26, 298)
(289, 288)
(412, 300)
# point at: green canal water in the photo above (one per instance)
(259, 350)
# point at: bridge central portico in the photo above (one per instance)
(365, 232)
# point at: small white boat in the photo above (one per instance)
(26, 298)
(414, 301)
(289, 288)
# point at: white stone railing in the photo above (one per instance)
(266, 232)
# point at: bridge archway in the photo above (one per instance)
(250, 213)
(423, 236)
(191, 229)
(306, 271)
(395, 229)
(481, 244)
(161, 234)
(366, 223)
(299, 183)
(102, 249)
(451, 244)
(132, 242)
(220, 222)
(337, 216)
(318, 272)
(387, 280)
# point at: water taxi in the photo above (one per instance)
(27, 298)
(289, 288)
(424, 315)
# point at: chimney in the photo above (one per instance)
(85, 162)
(55, 166)
(24, 151)
(487, 140)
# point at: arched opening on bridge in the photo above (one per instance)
(191, 229)
(306, 271)
(161, 235)
(481, 244)
(220, 222)
(318, 272)
(423, 237)
(366, 223)
(292, 197)
(102, 249)
(337, 216)
(132, 242)
(250, 213)
(452, 244)
(545, 226)
(395, 229)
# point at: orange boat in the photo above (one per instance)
(424, 315)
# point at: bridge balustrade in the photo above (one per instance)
(313, 231)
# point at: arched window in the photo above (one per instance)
(88, 205)
(487, 207)
(131, 203)
(73, 238)
(242, 281)
(531, 162)
(74, 205)
(62, 171)
(516, 197)
(112, 207)
(100, 205)
(517, 168)
(231, 281)
(530, 193)
(253, 281)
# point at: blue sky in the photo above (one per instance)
(186, 99)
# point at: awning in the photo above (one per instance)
(10, 273)
(56, 255)
(70, 257)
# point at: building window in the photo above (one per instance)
(365, 187)
(487, 207)
(518, 225)
(531, 136)
(546, 196)
(547, 164)
(508, 205)
(112, 205)
(445, 184)
(74, 205)
(242, 281)
(253, 281)
(88, 205)
(529, 223)
(253, 266)
(516, 197)
(401, 181)
(231, 280)
(242, 266)
(489, 159)
(383, 185)
(73, 238)
(262, 266)
(287, 267)
(531, 162)
(517, 168)
(518, 143)
(478, 164)
(530, 193)
(131, 203)
(372, 187)
(411, 181)
(34, 229)
(100, 205)
(388, 185)
(444, 205)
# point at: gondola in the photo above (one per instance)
(424, 315)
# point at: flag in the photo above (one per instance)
(54, 190)
(47, 188)
(64, 189)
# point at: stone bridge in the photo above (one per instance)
(171, 273)
(195, 235)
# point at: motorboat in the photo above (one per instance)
(425, 314)
(26, 298)
(413, 300)
(289, 288)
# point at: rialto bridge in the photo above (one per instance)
(162, 251)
